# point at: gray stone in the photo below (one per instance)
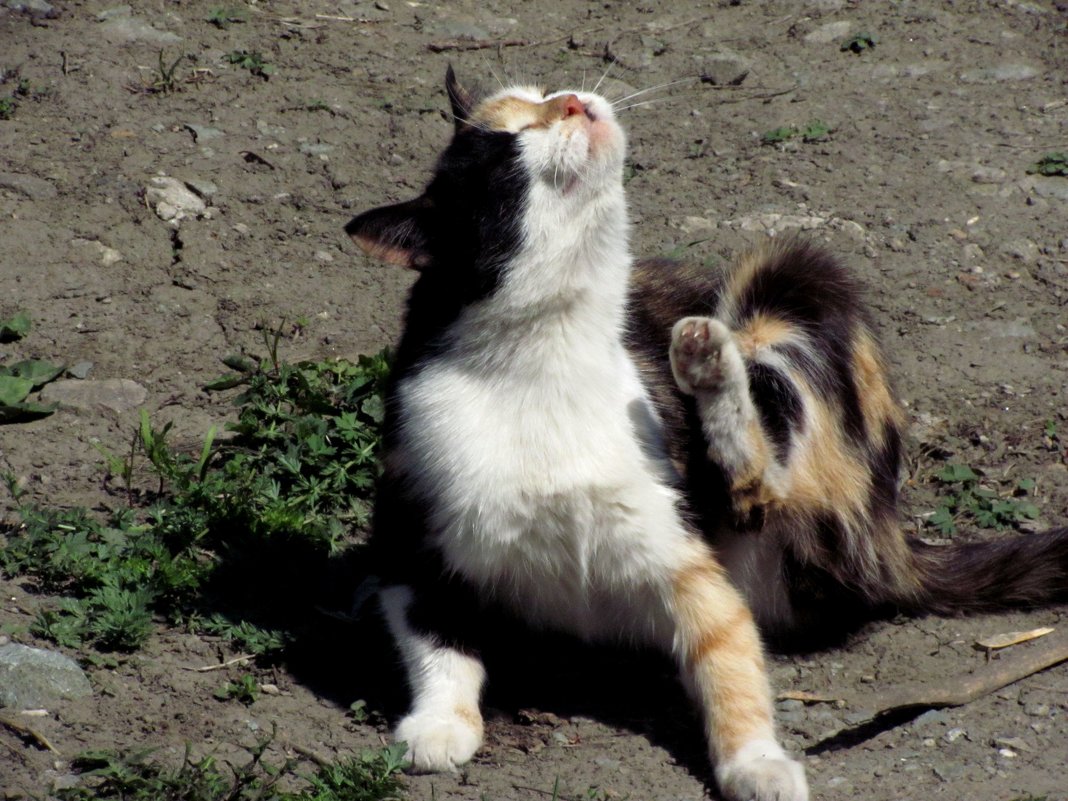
(119, 25)
(1047, 186)
(929, 719)
(1021, 249)
(1002, 72)
(80, 369)
(953, 735)
(34, 8)
(315, 148)
(29, 186)
(172, 200)
(116, 394)
(989, 175)
(831, 32)
(724, 68)
(32, 677)
(203, 133)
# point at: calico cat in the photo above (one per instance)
(644, 452)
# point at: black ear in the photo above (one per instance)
(463, 102)
(395, 234)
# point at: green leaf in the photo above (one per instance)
(39, 372)
(15, 328)
(25, 412)
(14, 389)
(956, 472)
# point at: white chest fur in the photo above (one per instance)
(538, 485)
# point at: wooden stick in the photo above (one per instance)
(475, 44)
(226, 664)
(959, 690)
(21, 728)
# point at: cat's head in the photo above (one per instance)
(522, 163)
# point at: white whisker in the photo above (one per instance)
(642, 103)
(651, 89)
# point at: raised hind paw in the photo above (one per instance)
(703, 355)
(440, 743)
(761, 771)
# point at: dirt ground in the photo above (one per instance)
(922, 186)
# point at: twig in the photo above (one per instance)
(321, 761)
(957, 691)
(475, 44)
(226, 664)
(21, 728)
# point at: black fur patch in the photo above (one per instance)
(779, 405)
(807, 287)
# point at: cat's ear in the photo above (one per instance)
(395, 234)
(463, 102)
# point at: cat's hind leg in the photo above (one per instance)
(443, 729)
(708, 364)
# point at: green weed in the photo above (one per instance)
(1051, 164)
(8, 106)
(294, 483)
(17, 381)
(966, 499)
(251, 60)
(165, 80)
(225, 16)
(245, 690)
(859, 43)
(814, 131)
(14, 328)
(113, 776)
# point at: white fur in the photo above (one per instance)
(761, 770)
(443, 682)
(522, 438)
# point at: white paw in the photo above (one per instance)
(439, 742)
(761, 771)
(702, 354)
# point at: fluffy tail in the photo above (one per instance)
(1027, 570)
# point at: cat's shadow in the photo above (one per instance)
(528, 672)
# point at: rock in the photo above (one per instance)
(80, 369)
(930, 718)
(119, 25)
(953, 735)
(724, 68)
(1020, 249)
(1003, 72)
(29, 186)
(989, 175)
(1037, 710)
(33, 677)
(771, 222)
(105, 255)
(693, 225)
(116, 394)
(831, 32)
(203, 133)
(1046, 186)
(315, 148)
(38, 9)
(172, 200)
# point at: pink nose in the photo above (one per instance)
(572, 106)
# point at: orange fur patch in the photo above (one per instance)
(515, 114)
(763, 331)
(877, 404)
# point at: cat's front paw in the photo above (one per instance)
(439, 743)
(703, 354)
(761, 771)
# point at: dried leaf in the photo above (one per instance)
(807, 697)
(1012, 638)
